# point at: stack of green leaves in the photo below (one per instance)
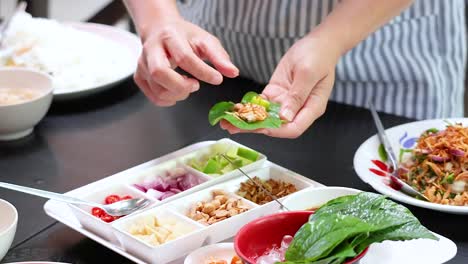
(346, 226)
(215, 164)
(224, 110)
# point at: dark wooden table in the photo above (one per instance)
(85, 140)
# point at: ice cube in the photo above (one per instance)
(268, 259)
(286, 241)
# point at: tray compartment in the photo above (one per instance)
(94, 224)
(167, 251)
(276, 173)
(223, 229)
(168, 171)
(221, 146)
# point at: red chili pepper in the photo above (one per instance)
(98, 212)
(381, 165)
(112, 199)
(107, 218)
(126, 197)
(378, 172)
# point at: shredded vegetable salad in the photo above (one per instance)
(438, 166)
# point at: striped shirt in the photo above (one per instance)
(413, 66)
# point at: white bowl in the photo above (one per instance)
(8, 222)
(220, 251)
(18, 120)
(315, 197)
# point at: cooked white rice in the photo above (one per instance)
(76, 59)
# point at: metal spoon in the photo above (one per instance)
(121, 208)
(397, 183)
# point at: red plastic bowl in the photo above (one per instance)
(254, 238)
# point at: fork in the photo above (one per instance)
(396, 182)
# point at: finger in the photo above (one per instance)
(314, 107)
(225, 125)
(161, 73)
(172, 95)
(182, 53)
(150, 88)
(212, 50)
(274, 92)
(304, 80)
(146, 89)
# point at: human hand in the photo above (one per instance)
(178, 43)
(301, 83)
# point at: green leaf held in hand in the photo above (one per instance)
(225, 110)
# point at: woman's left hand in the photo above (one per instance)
(301, 83)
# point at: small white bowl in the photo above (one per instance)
(220, 251)
(315, 197)
(18, 120)
(8, 222)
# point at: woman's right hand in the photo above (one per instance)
(178, 43)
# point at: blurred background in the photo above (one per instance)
(101, 11)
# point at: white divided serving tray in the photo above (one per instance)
(113, 235)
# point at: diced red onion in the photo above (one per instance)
(156, 194)
(188, 181)
(168, 184)
(438, 158)
(175, 190)
(457, 152)
(140, 187)
(167, 195)
(423, 151)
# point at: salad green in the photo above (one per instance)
(225, 110)
(346, 226)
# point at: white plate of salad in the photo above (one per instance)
(433, 158)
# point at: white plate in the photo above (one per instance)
(425, 251)
(402, 136)
(126, 39)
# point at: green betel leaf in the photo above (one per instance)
(317, 239)
(224, 110)
(345, 226)
(218, 111)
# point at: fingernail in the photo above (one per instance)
(232, 66)
(288, 114)
(218, 78)
(195, 86)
